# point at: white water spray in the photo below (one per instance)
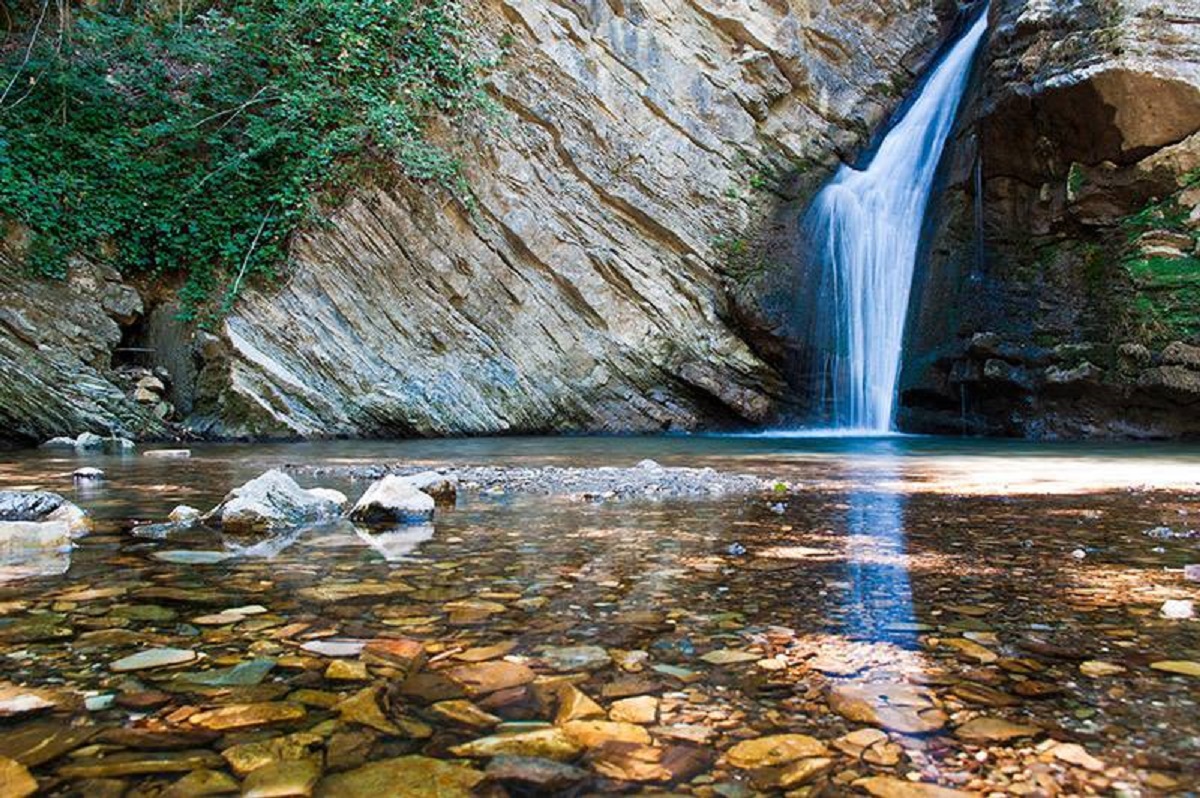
(865, 227)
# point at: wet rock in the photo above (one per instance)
(409, 776)
(143, 700)
(343, 670)
(897, 707)
(481, 678)
(247, 716)
(40, 507)
(363, 708)
(553, 743)
(392, 500)
(443, 488)
(269, 502)
(891, 787)
(485, 653)
(642, 710)
(626, 761)
(1097, 669)
(248, 757)
(144, 739)
(536, 773)
(334, 647)
(241, 675)
(38, 742)
(89, 441)
(987, 730)
(1075, 754)
(189, 557)
(574, 704)
(1178, 609)
(201, 783)
(594, 733)
(283, 779)
(728, 656)
(970, 650)
(331, 495)
(982, 694)
(183, 514)
(139, 763)
(349, 748)
(15, 779)
(569, 659)
(774, 750)
(88, 474)
(1181, 667)
(153, 658)
(804, 771)
(858, 741)
(168, 454)
(406, 656)
(460, 712)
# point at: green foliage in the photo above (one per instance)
(1075, 180)
(1167, 305)
(198, 142)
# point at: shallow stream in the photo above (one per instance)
(986, 616)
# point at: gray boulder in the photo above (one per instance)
(393, 499)
(36, 528)
(272, 501)
(89, 441)
(34, 506)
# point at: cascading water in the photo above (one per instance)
(864, 227)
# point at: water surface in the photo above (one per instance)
(966, 579)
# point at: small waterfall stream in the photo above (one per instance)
(865, 227)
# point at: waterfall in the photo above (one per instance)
(864, 227)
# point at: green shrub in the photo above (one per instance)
(198, 142)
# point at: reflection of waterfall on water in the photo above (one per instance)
(865, 227)
(879, 602)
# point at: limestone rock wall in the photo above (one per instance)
(635, 146)
(56, 346)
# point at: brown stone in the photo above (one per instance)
(774, 750)
(406, 656)
(487, 677)
(245, 716)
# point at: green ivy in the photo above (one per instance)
(196, 142)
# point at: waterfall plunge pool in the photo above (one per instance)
(993, 610)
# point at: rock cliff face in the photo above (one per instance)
(1063, 278)
(627, 259)
(637, 147)
(56, 349)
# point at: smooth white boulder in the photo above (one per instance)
(182, 514)
(88, 474)
(335, 496)
(269, 502)
(393, 499)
